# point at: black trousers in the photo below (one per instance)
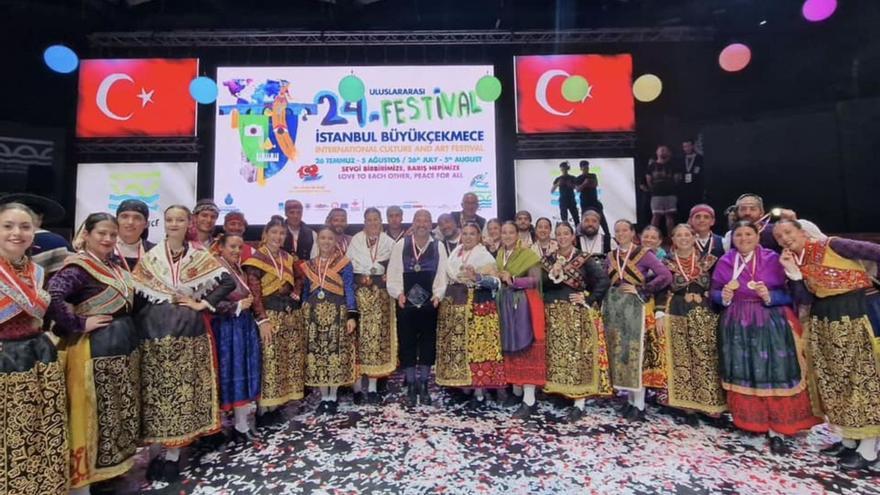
(417, 335)
(566, 207)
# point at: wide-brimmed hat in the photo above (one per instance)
(51, 210)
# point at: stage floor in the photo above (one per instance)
(448, 449)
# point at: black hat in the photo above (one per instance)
(48, 208)
(135, 205)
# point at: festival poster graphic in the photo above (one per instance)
(419, 137)
(102, 186)
(600, 85)
(617, 190)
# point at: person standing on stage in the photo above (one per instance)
(417, 281)
(589, 239)
(521, 312)
(447, 233)
(470, 203)
(492, 240)
(179, 386)
(652, 239)
(750, 207)
(565, 184)
(574, 283)
(204, 223)
(300, 240)
(685, 315)
(237, 336)
(468, 330)
(337, 220)
(692, 189)
(662, 183)
(369, 253)
(763, 365)
(544, 244)
(844, 341)
(701, 220)
(395, 228)
(132, 216)
(34, 433)
(524, 230)
(49, 250)
(92, 301)
(330, 314)
(636, 349)
(588, 189)
(275, 283)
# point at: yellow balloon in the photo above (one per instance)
(647, 88)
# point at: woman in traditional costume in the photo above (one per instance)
(276, 289)
(132, 216)
(33, 398)
(493, 236)
(369, 253)
(92, 300)
(636, 350)
(330, 314)
(652, 239)
(844, 345)
(468, 330)
(179, 392)
(574, 283)
(521, 313)
(686, 317)
(763, 366)
(544, 243)
(237, 337)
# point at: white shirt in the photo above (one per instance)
(592, 245)
(361, 254)
(394, 281)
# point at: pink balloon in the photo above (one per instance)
(818, 10)
(735, 57)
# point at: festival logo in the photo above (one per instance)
(135, 185)
(574, 93)
(136, 97)
(309, 173)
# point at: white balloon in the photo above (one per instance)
(104, 88)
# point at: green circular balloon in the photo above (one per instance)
(488, 88)
(575, 89)
(351, 88)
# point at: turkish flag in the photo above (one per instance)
(136, 97)
(607, 107)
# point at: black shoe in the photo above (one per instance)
(373, 398)
(854, 462)
(778, 446)
(332, 407)
(424, 395)
(322, 407)
(574, 415)
(358, 398)
(837, 449)
(475, 404)
(268, 418)
(624, 408)
(635, 414)
(524, 411)
(512, 400)
(106, 487)
(170, 471)
(154, 469)
(240, 437)
(211, 442)
(412, 395)
(692, 420)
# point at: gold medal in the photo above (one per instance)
(752, 285)
(733, 284)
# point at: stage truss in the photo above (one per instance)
(189, 39)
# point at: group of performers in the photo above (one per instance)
(129, 344)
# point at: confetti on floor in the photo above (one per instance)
(447, 448)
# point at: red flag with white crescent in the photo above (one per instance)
(136, 97)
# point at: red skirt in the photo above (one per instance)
(528, 367)
(785, 415)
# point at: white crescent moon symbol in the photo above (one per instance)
(104, 88)
(541, 90)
